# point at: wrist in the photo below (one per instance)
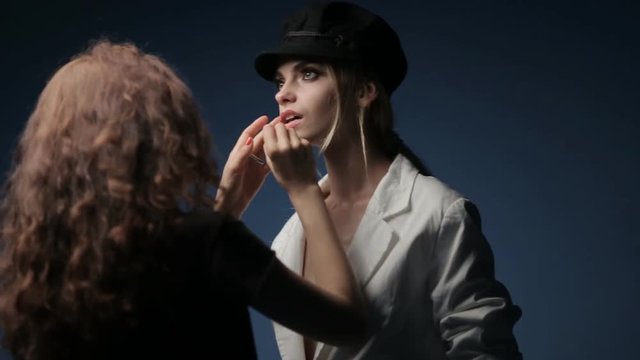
(225, 207)
(302, 192)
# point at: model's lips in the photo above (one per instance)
(290, 117)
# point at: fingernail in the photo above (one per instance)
(249, 141)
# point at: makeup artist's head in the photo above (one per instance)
(114, 145)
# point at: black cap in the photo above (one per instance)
(340, 32)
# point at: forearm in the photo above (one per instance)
(327, 261)
(224, 204)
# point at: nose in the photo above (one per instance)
(285, 95)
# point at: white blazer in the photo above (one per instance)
(427, 273)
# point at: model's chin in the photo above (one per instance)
(305, 134)
(314, 136)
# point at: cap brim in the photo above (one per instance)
(267, 63)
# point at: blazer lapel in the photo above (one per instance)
(289, 244)
(375, 237)
(371, 243)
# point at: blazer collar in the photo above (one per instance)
(374, 234)
(394, 190)
(375, 237)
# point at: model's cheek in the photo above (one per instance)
(332, 107)
(332, 100)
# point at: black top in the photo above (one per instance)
(215, 267)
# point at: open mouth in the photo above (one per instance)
(289, 117)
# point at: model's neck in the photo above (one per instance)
(348, 178)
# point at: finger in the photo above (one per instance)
(258, 140)
(257, 150)
(270, 139)
(239, 155)
(252, 130)
(283, 137)
(294, 140)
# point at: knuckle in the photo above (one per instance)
(284, 147)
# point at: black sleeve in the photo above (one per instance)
(240, 261)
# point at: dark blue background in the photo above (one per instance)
(530, 108)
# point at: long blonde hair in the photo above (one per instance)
(114, 147)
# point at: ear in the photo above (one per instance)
(368, 93)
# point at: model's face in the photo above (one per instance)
(306, 98)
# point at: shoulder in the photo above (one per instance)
(429, 189)
(447, 201)
(198, 222)
(429, 194)
(223, 234)
(403, 190)
(206, 224)
(433, 198)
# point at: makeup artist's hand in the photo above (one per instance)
(242, 175)
(289, 157)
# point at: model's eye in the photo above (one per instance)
(310, 74)
(278, 82)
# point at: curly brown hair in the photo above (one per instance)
(114, 149)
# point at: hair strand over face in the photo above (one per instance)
(375, 122)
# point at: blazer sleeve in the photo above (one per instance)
(473, 311)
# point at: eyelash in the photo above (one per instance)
(305, 76)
